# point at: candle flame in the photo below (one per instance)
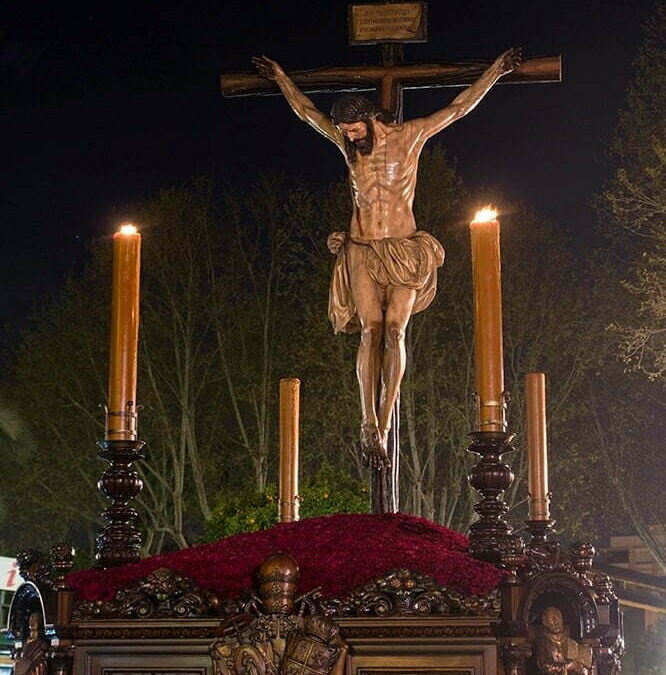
(485, 215)
(128, 229)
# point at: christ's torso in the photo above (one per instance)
(383, 183)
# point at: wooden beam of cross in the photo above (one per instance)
(392, 80)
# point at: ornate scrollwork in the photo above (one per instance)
(35, 566)
(406, 593)
(162, 594)
(47, 570)
(545, 557)
(167, 594)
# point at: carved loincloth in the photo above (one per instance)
(409, 262)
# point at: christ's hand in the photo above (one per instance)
(335, 241)
(267, 68)
(510, 60)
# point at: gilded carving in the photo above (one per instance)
(406, 593)
(34, 566)
(276, 644)
(163, 593)
(277, 641)
(554, 652)
(414, 631)
(166, 594)
(568, 585)
(130, 632)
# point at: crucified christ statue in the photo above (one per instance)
(386, 269)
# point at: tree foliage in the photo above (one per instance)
(633, 205)
(646, 651)
(234, 290)
(327, 491)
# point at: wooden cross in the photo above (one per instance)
(383, 23)
(392, 80)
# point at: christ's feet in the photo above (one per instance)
(373, 448)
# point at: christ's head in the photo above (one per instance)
(354, 114)
(358, 136)
(551, 619)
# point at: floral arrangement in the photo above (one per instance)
(336, 553)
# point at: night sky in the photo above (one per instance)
(102, 106)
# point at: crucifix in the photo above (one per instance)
(385, 268)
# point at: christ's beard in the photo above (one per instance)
(364, 145)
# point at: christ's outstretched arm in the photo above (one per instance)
(471, 97)
(304, 108)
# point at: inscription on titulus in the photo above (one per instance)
(387, 22)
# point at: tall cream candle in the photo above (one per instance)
(289, 419)
(488, 357)
(123, 361)
(537, 447)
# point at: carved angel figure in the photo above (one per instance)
(556, 653)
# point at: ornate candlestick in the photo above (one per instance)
(539, 531)
(490, 440)
(491, 477)
(120, 541)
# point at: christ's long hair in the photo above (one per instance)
(353, 108)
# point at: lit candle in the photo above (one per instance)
(537, 447)
(489, 368)
(121, 406)
(289, 413)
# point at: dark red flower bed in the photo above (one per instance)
(336, 552)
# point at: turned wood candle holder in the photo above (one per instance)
(491, 477)
(120, 541)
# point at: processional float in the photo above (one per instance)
(357, 594)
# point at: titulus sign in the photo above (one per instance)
(387, 22)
